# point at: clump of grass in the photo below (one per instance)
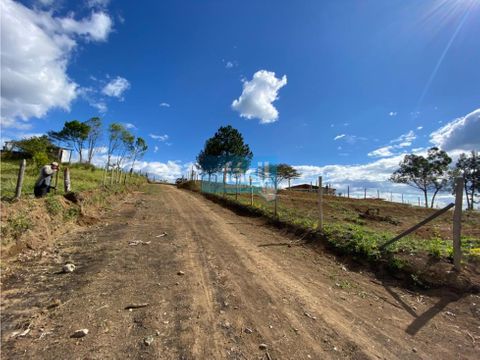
(53, 205)
(17, 225)
(71, 214)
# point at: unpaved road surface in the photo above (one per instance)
(242, 286)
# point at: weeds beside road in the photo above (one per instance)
(424, 257)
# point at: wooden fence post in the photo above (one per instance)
(348, 191)
(66, 180)
(365, 193)
(378, 194)
(320, 203)
(457, 224)
(251, 192)
(21, 175)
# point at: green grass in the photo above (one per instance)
(355, 238)
(82, 177)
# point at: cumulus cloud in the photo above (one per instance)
(392, 113)
(36, 48)
(460, 134)
(130, 126)
(256, 100)
(164, 104)
(403, 141)
(116, 87)
(162, 138)
(382, 152)
(155, 148)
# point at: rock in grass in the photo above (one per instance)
(68, 268)
(148, 340)
(263, 346)
(80, 333)
(181, 273)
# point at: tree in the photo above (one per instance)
(94, 135)
(127, 141)
(115, 131)
(40, 148)
(138, 150)
(225, 151)
(74, 134)
(278, 173)
(424, 173)
(469, 168)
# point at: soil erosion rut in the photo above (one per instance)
(218, 286)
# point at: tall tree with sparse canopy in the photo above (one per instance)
(73, 134)
(469, 168)
(115, 132)
(94, 135)
(278, 173)
(138, 150)
(428, 174)
(225, 151)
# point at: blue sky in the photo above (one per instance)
(316, 83)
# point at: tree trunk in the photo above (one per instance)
(426, 198)
(433, 198)
(225, 180)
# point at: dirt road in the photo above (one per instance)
(242, 286)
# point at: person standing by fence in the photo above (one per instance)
(42, 185)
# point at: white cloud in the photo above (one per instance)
(349, 139)
(155, 149)
(408, 137)
(258, 95)
(229, 65)
(164, 104)
(116, 87)
(461, 134)
(130, 126)
(96, 28)
(403, 141)
(419, 127)
(382, 152)
(97, 3)
(36, 48)
(162, 138)
(392, 113)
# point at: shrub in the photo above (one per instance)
(71, 214)
(53, 205)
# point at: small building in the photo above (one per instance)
(311, 188)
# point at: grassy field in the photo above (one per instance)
(82, 178)
(361, 226)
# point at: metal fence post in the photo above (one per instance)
(457, 223)
(21, 175)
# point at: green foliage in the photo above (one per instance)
(40, 159)
(74, 134)
(469, 168)
(95, 125)
(225, 150)
(18, 224)
(278, 173)
(53, 205)
(40, 148)
(71, 214)
(426, 174)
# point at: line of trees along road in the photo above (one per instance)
(85, 138)
(432, 173)
(226, 152)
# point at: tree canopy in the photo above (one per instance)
(74, 134)
(278, 173)
(469, 167)
(428, 173)
(225, 151)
